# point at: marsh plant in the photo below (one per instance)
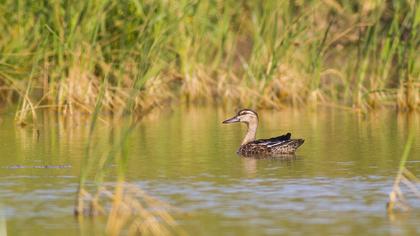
(405, 178)
(103, 191)
(270, 54)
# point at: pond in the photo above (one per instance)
(338, 183)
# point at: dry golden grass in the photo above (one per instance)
(128, 210)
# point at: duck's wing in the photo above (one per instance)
(273, 141)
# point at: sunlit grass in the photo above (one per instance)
(127, 207)
(397, 199)
(271, 54)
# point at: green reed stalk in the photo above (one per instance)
(396, 196)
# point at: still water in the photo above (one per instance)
(338, 183)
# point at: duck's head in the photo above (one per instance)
(247, 116)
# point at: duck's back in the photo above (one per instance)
(270, 147)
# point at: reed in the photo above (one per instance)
(127, 208)
(270, 54)
(397, 199)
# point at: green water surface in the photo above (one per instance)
(337, 185)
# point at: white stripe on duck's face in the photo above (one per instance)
(245, 115)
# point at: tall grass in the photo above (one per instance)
(266, 54)
(397, 199)
(127, 208)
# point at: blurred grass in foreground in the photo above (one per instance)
(406, 178)
(265, 54)
(103, 191)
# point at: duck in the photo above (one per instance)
(272, 147)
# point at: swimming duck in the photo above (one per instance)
(250, 147)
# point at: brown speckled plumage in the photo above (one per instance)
(261, 149)
(277, 146)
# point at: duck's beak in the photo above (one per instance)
(231, 120)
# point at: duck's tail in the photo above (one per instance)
(297, 143)
(290, 146)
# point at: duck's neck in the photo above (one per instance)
(251, 133)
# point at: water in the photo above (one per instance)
(338, 184)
